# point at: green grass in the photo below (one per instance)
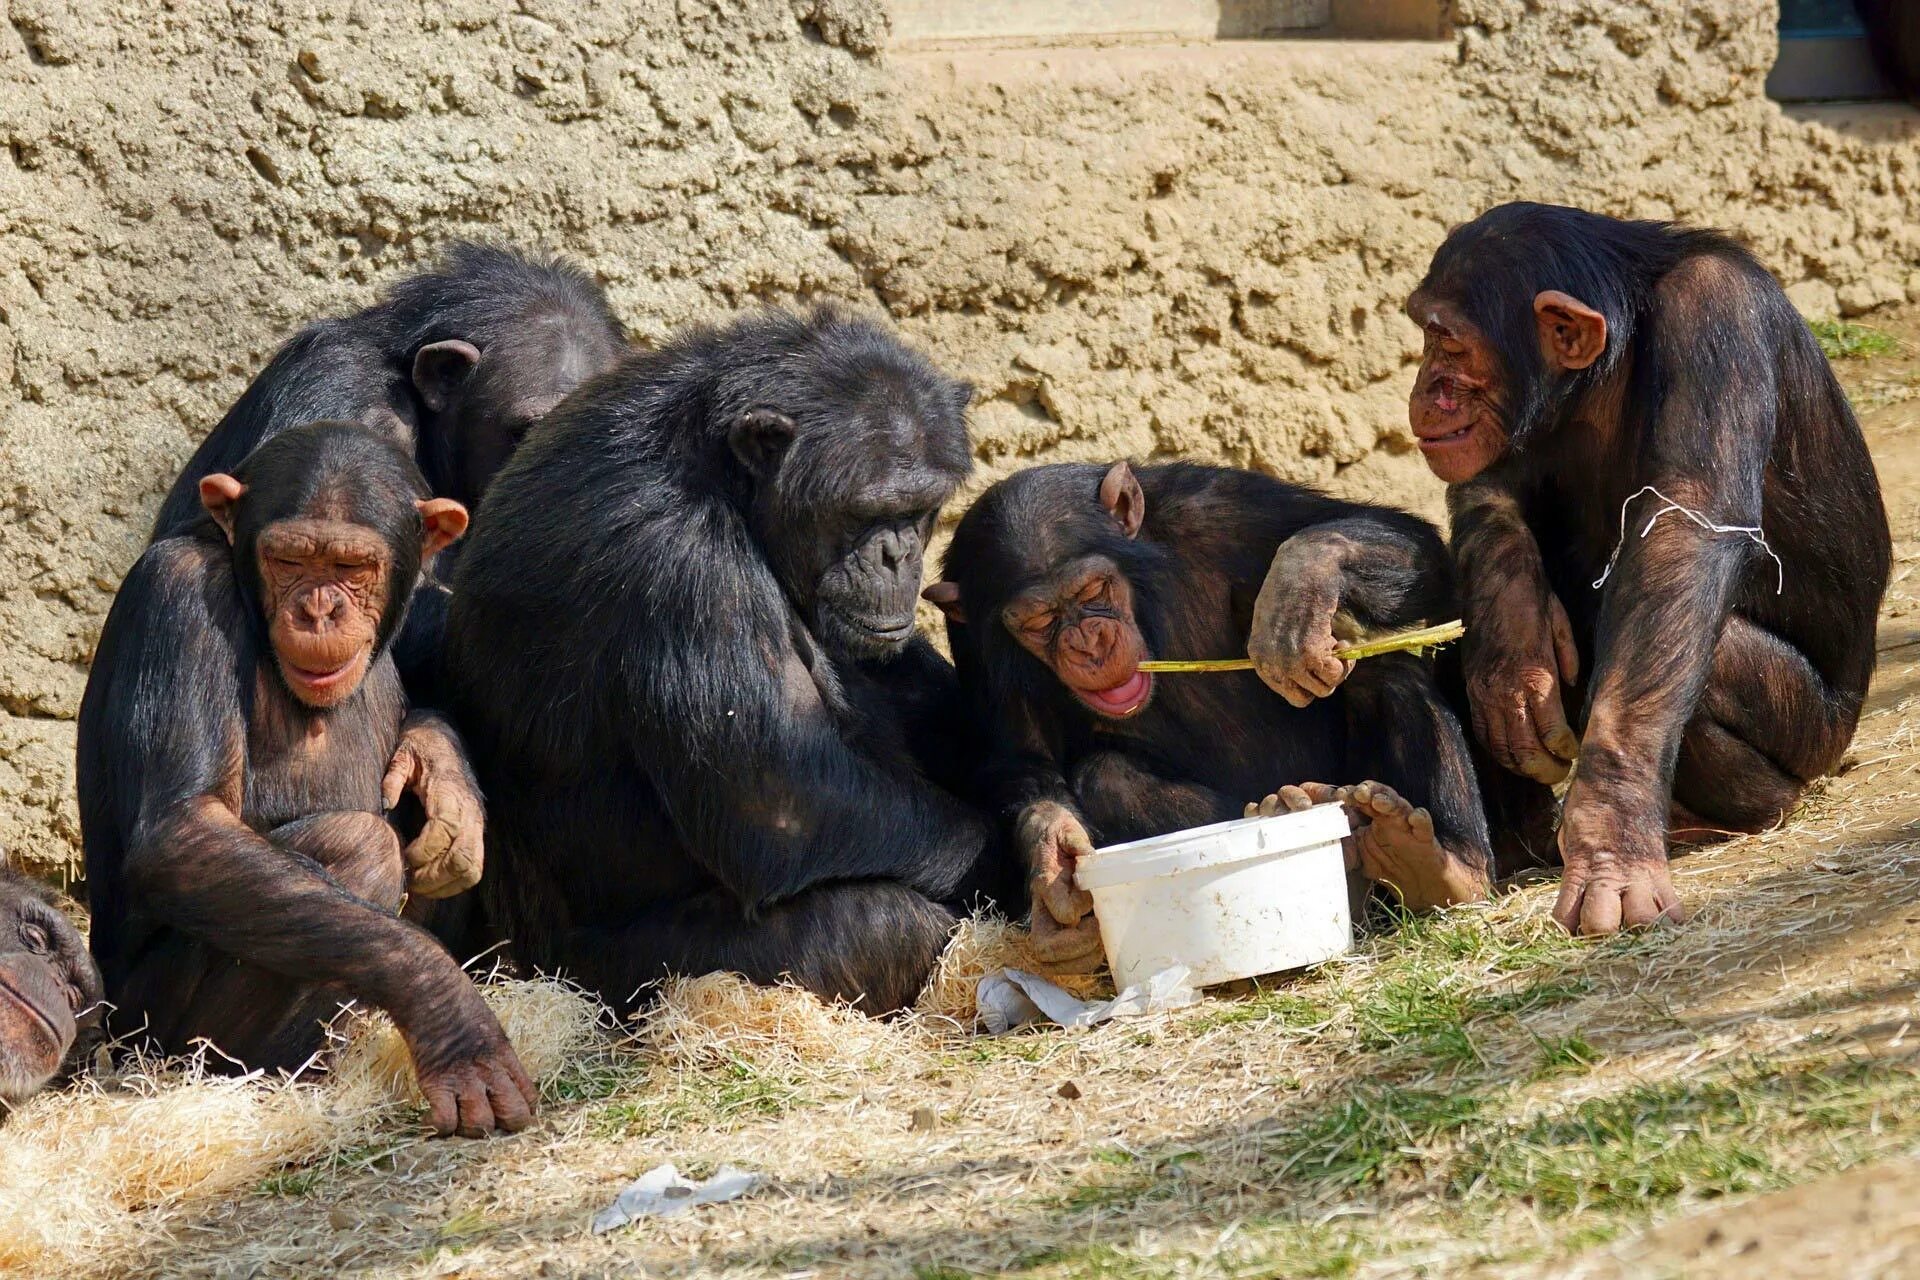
(1845, 340)
(737, 1090)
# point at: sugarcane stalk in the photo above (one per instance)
(1417, 641)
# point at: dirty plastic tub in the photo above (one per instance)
(1233, 900)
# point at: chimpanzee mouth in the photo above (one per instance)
(1128, 698)
(42, 1022)
(316, 678)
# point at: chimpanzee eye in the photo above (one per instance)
(35, 938)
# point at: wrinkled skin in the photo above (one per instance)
(1393, 843)
(1456, 410)
(49, 988)
(1066, 936)
(1082, 625)
(448, 855)
(1292, 641)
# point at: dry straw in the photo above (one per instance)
(93, 1172)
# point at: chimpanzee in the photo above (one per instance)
(1661, 501)
(1893, 34)
(1063, 578)
(454, 364)
(49, 988)
(683, 650)
(239, 737)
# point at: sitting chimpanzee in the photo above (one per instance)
(454, 364)
(1661, 500)
(1062, 579)
(683, 650)
(235, 744)
(49, 988)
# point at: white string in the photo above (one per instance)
(1751, 531)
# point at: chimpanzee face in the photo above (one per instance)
(49, 988)
(1458, 410)
(1049, 574)
(329, 584)
(1080, 622)
(1501, 352)
(849, 470)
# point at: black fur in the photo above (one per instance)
(359, 368)
(681, 649)
(1205, 745)
(241, 877)
(1723, 680)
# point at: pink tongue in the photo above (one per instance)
(1122, 695)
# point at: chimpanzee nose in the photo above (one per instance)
(321, 605)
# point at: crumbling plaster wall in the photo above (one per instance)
(1195, 250)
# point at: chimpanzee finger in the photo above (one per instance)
(399, 773)
(476, 1117)
(1566, 653)
(1550, 722)
(443, 1110)
(1567, 907)
(512, 1103)
(1638, 909)
(1600, 911)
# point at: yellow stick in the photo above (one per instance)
(1399, 642)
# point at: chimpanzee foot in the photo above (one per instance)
(1397, 847)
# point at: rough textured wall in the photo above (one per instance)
(1197, 249)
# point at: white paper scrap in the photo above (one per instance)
(661, 1193)
(1015, 998)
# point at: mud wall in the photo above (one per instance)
(1193, 249)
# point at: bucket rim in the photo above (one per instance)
(1216, 845)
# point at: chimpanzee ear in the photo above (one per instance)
(947, 596)
(758, 437)
(1572, 334)
(439, 370)
(218, 493)
(1120, 495)
(443, 521)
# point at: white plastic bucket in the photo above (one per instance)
(1233, 900)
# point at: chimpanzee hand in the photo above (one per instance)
(448, 854)
(1519, 648)
(1292, 644)
(1066, 937)
(469, 1074)
(1615, 857)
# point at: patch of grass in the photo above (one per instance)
(1845, 340)
(1140, 1180)
(1626, 1152)
(1369, 1136)
(1565, 1055)
(593, 1077)
(1286, 1008)
(290, 1183)
(737, 1090)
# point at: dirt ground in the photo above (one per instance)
(1469, 1095)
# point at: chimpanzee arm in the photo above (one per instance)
(192, 862)
(1123, 798)
(744, 742)
(1667, 596)
(1384, 569)
(1519, 645)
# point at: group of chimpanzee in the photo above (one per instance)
(675, 676)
